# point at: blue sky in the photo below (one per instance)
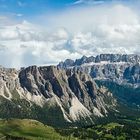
(28, 9)
(32, 7)
(44, 32)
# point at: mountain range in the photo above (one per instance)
(120, 68)
(73, 93)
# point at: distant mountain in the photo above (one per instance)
(112, 58)
(52, 95)
(119, 73)
(75, 93)
(120, 68)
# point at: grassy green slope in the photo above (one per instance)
(25, 129)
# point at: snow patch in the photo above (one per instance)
(103, 63)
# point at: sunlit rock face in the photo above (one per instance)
(70, 95)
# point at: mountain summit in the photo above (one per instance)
(119, 68)
(50, 94)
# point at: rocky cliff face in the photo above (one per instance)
(112, 58)
(8, 82)
(52, 95)
(67, 94)
(123, 69)
(132, 74)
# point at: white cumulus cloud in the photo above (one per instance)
(113, 28)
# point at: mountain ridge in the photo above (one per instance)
(70, 96)
(119, 68)
(77, 95)
(132, 58)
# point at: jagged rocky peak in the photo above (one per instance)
(111, 58)
(119, 58)
(120, 68)
(84, 60)
(73, 93)
(8, 70)
(68, 95)
(66, 63)
(73, 90)
(8, 80)
(40, 80)
(37, 79)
